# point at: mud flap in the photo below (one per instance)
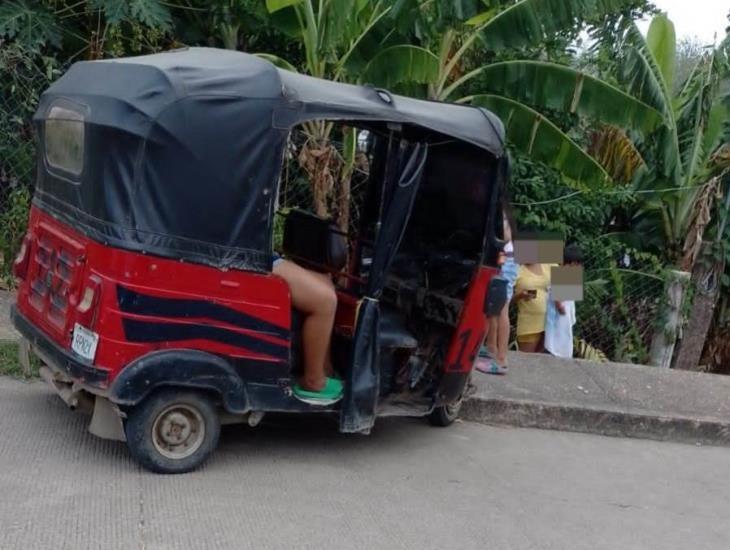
(363, 378)
(106, 422)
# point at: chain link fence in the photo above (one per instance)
(23, 77)
(621, 307)
(620, 311)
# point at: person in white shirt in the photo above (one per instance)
(560, 316)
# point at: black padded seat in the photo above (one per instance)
(393, 331)
(313, 242)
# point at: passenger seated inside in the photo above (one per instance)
(311, 241)
(313, 295)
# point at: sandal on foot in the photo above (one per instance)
(490, 366)
(331, 393)
(484, 353)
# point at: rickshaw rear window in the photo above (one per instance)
(64, 140)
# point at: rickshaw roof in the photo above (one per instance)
(148, 85)
(181, 152)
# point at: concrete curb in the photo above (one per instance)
(616, 423)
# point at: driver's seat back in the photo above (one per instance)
(313, 242)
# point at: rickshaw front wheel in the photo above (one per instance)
(445, 415)
(172, 431)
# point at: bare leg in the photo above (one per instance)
(492, 336)
(503, 336)
(328, 367)
(541, 344)
(314, 296)
(528, 347)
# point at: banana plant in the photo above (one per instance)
(685, 154)
(331, 32)
(520, 91)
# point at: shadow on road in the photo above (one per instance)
(312, 438)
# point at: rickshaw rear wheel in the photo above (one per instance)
(445, 415)
(173, 431)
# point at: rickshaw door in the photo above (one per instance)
(363, 378)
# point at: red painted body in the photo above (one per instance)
(67, 278)
(473, 325)
(71, 263)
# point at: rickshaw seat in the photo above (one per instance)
(313, 242)
(393, 332)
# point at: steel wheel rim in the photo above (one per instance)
(178, 431)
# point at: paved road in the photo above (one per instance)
(297, 484)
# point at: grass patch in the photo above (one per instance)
(10, 363)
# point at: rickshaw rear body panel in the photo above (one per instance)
(143, 304)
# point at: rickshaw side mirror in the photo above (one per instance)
(496, 297)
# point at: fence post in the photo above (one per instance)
(24, 358)
(669, 314)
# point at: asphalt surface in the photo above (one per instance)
(295, 483)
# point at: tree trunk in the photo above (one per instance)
(665, 334)
(318, 159)
(706, 280)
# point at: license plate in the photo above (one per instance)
(84, 342)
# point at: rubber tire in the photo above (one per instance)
(140, 420)
(445, 415)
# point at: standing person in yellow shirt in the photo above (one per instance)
(531, 296)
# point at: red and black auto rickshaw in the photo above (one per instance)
(145, 284)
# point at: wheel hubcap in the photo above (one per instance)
(178, 431)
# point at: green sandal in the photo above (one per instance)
(331, 393)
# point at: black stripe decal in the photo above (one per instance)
(155, 331)
(143, 304)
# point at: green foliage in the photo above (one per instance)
(152, 13)
(681, 155)
(560, 88)
(115, 11)
(662, 42)
(31, 24)
(617, 313)
(23, 75)
(13, 223)
(72, 28)
(524, 93)
(531, 133)
(539, 20)
(10, 363)
(405, 63)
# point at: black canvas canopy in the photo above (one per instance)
(181, 152)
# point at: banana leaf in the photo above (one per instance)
(544, 85)
(532, 22)
(399, 64)
(532, 133)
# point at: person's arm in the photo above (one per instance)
(523, 295)
(559, 306)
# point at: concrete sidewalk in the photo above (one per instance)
(541, 391)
